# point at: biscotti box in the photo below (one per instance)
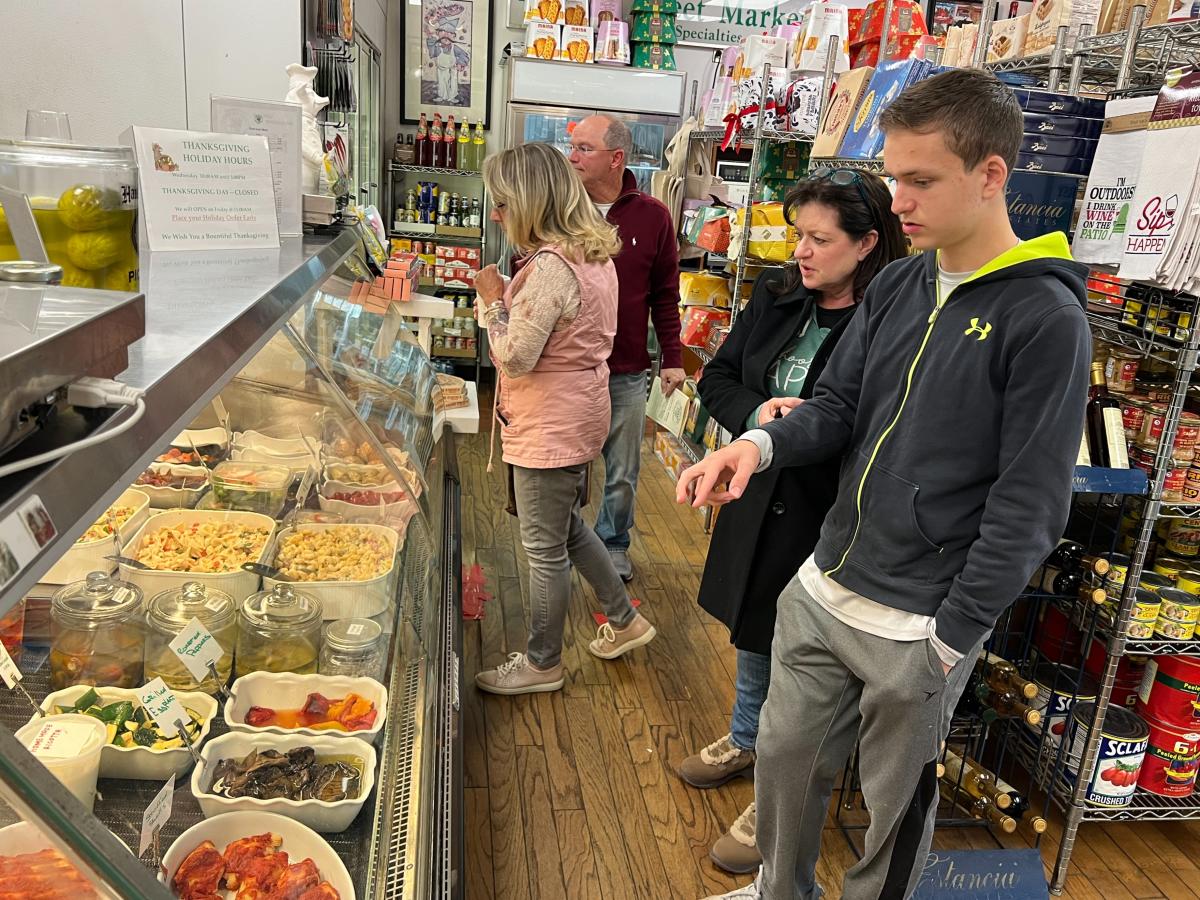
(1007, 38)
(1053, 145)
(542, 40)
(1042, 162)
(1059, 104)
(1048, 15)
(577, 44)
(1062, 126)
(548, 11)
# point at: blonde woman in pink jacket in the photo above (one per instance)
(550, 330)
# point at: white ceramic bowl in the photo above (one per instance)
(238, 584)
(395, 515)
(174, 497)
(284, 690)
(319, 815)
(300, 842)
(23, 837)
(256, 440)
(140, 763)
(202, 437)
(347, 599)
(88, 556)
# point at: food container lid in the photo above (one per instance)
(248, 476)
(53, 154)
(26, 272)
(282, 608)
(98, 598)
(173, 609)
(352, 635)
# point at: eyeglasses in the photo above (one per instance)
(499, 207)
(845, 178)
(588, 151)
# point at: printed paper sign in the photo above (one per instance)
(162, 706)
(8, 669)
(157, 814)
(196, 649)
(204, 191)
(281, 124)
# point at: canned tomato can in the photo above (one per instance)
(1183, 536)
(1170, 690)
(1130, 669)
(1121, 370)
(1191, 485)
(1169, 769)
(1059, 691)
(1174, 629)
(1152, 424)
(1186, 436)
(1173, 486)
(1179, 605)
(1133, 414)
(1123, 740)
(1058, 640)
(1169, 567)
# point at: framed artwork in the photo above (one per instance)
(447, 44)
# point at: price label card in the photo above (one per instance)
(162, 706)
(196, 649)
(157, 814)
(8, 669)
(60, 741)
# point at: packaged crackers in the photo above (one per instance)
(542, 40)
(548, 11)
(577, 44)
(575, 12)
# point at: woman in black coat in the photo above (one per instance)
(767, 366)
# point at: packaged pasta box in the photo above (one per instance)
(548, 11)
(612, 43)
(653, 28)
(575, 12)
(654, 56)
(577, 44)
(542, 40)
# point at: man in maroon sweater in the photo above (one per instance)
(648, 278)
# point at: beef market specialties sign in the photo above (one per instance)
(719, 23)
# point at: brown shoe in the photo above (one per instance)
(735, 850)
(716, 764)
(518, 676)
(613, 642)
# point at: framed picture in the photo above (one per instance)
(447, 44)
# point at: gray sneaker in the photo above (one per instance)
(518, 676)
(716, 764)
(735, 851)
(620, 561)
(752, 891)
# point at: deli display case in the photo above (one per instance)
(248, 601)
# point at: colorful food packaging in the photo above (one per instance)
(703, 289)
(548, 11)
(838, 114)
(613, 43)
(577, 44)
(575, 12)
(759, 50)
(653, 28)
(718, 103)
(542, 40)
(605, 11)
(698, 321)
(671, 7)
(825, 20)
(654, 56)
(1048, 15)
(1007, 38)
(770, 239)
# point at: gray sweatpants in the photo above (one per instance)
(830, 685)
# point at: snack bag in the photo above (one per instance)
(577, 44)
(575, 12)
(613, 43)
(605, 11)
(548, 11)
(542, 40)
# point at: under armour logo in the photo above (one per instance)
(982, 330)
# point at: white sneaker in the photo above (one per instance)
(751, 891)
(518, 676)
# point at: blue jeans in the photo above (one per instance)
(622, 458)
(750, 690)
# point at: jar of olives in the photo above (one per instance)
(96, 634)
(169, 613)
(279, 631)
(354, 647)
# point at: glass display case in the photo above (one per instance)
(291, 485)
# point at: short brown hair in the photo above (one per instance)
(976, 113)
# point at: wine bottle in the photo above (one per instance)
(969, 704)
(1105, 427)
(1022, 807)
(424, 150)
(1007, 706)
(451, 140)
(1058, 582)
(975, 780)
(1003, 675)
(1092, 594)
(1072, 557)
(978, 808)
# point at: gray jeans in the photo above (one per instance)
(555, 538)
(831, 685)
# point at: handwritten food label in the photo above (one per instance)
(8, 669)
(196, 649)
(60, 741)
(351, 630)
(157, 814)
(162, 706)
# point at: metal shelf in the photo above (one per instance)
(767, 134)
(1147, 806)
(704, 356)
(434, 170)
(708, 134)
(841, 162)
(1152, 346)
(416, 234)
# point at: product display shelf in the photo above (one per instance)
(433, 170)
(1149, 345)
(417, 234)
(841, 162)
(700, 353)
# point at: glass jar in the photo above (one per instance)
(169, 613)
(12, 630)
(354, 647)
(279, 631)
(96, 634)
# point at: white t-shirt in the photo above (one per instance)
(603, 208)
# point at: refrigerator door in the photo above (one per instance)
(651, 135)
(544, 124)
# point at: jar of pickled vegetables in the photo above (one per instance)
(96, 634)
(171, 612)
(279, 631)
(354, 647)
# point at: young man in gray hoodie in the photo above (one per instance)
(957, 397)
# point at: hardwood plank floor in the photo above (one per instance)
(574, 794)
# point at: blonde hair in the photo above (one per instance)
(545, 203)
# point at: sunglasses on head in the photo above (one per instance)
(844, 178)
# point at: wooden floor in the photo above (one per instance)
(574, 794)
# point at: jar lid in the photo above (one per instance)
(171, 610)
(352, 635)
(98, 598)
(22, 271)
(59, 153)
(282, 607)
